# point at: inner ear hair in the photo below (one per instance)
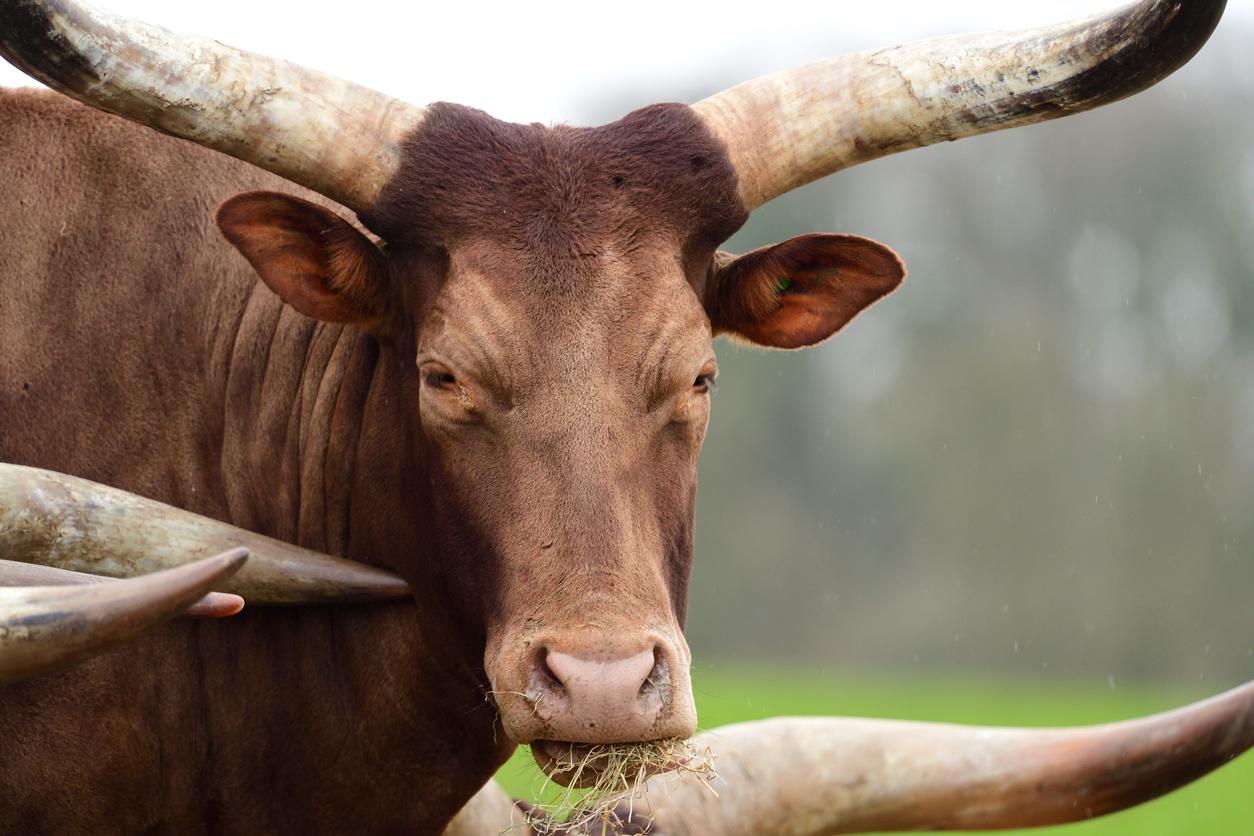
(315, 261)
(753, 284)
(355, 268)
(801, 291)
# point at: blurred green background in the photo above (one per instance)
(1021, 489)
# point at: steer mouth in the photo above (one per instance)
(612, 766)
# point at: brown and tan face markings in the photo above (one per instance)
(559, 290)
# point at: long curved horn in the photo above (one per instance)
(821, 776)
(787, 129)
(71, 523)
(12, 573)
(337, 138)
(46, 628)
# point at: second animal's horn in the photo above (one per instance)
(72, 523)
(45, 628)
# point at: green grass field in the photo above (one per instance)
(1222, 803)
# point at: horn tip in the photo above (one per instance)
(234, 559)
(216, 605)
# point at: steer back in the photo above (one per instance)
(139, 350)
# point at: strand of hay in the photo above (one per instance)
(621, 770)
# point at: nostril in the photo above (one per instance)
(659, 674)
(546, 673)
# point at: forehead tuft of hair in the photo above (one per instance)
(560, 191)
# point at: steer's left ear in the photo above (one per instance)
(316, 261)
(799, 292)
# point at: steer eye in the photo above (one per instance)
(440, 380)
(705, 382)
(446, 393)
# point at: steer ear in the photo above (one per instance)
(313, 259)
(799, 292)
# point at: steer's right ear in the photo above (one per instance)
(312, 258)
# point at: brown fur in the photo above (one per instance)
(517, 436)
(138, 349)
(561, 192)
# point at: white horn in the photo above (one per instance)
(785, 130)
(337, 138)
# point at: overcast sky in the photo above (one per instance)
(546, 60)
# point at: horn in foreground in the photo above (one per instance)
(819, 776)
(46, 628)
(787, 129)
(12, 573)
(334, 137)
(71, 523)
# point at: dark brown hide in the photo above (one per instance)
(563, 191)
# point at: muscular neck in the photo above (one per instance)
(316, 450)
(293, 397)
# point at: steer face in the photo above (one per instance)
(553, 295)
(563, 428)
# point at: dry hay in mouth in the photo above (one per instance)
(620, 771)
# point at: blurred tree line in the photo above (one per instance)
(1037, 457)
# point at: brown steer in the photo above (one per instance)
(495, 385)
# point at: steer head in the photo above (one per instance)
(553, 294)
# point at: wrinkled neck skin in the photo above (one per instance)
(405, 680)
(331, 719)
(161, 365)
